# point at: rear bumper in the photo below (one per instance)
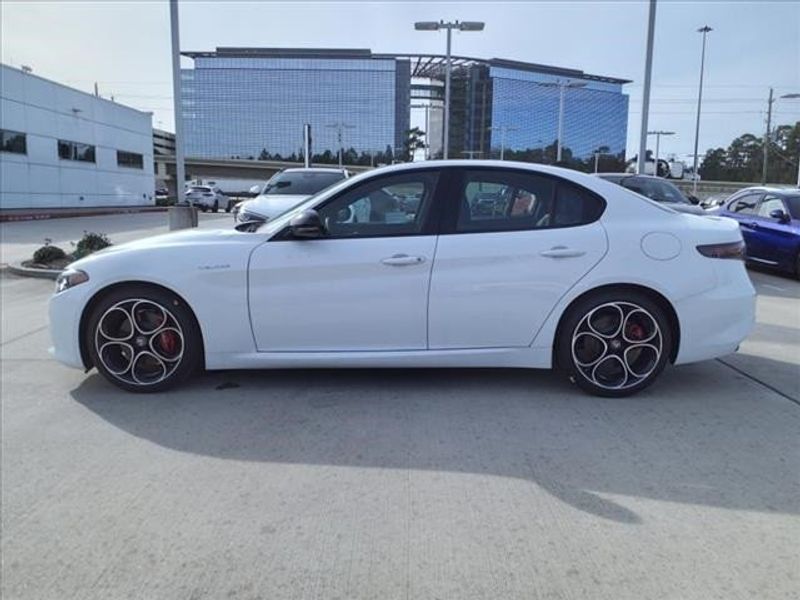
(715, 322)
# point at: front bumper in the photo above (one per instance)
(65, 317)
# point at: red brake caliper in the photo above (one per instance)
(168, 340)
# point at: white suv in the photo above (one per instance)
(206, 197)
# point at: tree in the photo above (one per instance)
(415, 140)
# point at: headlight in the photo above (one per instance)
(70, 278)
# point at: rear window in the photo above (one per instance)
(200, 189)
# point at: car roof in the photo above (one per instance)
(769, 189)
(314, 170)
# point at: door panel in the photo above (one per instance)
(493, 290)
(361, 287)
(513, 245)
(340, 295)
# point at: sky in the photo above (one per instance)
(124, 46)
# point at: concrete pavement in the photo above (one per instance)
(452, 484)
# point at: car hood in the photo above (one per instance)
(189, 238)
(272, 205)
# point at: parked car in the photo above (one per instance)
(576, 273)
(286, 190)
(770, 222)
(656, 189)
(206, 197)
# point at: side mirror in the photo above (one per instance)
(307, 225)
(255, 190)
(693, 199)
(778, 214)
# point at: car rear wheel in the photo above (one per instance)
(143, 339)
(216, 206)
(614, 343)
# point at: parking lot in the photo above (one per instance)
(451, 484)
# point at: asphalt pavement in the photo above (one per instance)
(450, 484)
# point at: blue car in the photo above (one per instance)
(770, 222)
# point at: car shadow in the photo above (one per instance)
(679, 441)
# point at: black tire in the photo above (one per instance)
(228, 207)
(797, 266)
(614, 343)
(156, 352)
(216, 206)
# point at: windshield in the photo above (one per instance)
(660, 191)
(300, 183)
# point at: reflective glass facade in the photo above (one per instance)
(238, 106)
(527, 105)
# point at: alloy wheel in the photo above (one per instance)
(139, 342)
(617, 345)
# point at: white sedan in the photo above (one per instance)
(566, 271)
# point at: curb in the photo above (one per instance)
(18, 269)
(70, 214)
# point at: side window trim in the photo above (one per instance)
(431, 219)
(456, 184)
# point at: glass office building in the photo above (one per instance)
(515, 107)
(243, 102)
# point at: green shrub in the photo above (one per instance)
(48, 253)
(161, 201)
(90, 242)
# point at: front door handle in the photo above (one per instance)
(753, 225)
(403, 260)
(562, 252)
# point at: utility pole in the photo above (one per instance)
(766, 138)
(648, 72)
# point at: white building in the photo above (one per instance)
(63, 148)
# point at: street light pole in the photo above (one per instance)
(502, 129)
(449, 26)
(704, 30)
(648, 71)
(180, 168)
(448, 68)
(658, 135)
(339, 127)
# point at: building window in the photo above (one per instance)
(130, 160)
(13, 141)
(75, 151)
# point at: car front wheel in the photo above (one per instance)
(143, 339)
(614, 344)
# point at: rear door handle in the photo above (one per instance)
(753, 225)
(403, 260)
(562, 252)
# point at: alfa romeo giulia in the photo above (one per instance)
(494, 264)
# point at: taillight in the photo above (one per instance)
(733, 250)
